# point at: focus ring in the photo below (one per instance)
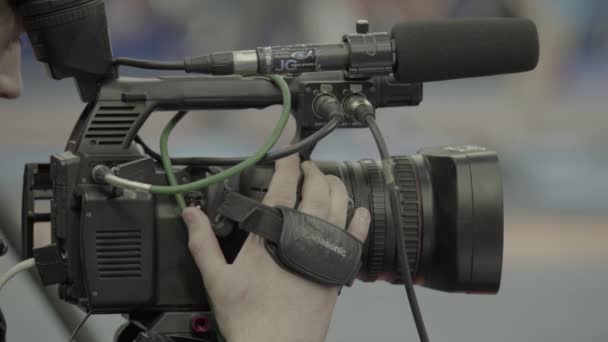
(405, 177)
(376, 255)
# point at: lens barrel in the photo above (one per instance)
(451, 217)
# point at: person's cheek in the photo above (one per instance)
(10, 71)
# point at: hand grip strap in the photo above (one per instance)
(308, 246)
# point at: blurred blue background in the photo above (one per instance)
(549, 127)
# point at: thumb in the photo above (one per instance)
(202, 242)
(359, 224)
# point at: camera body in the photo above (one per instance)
(125, 251)
(122, 251)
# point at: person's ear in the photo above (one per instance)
(10, 70)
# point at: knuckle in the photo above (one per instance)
(364, 215)
(307, 164)
(317, 185)
(310, 169)
(281, 200)
(336, 183)
(333, 179)
(316, 209)
(316, 198)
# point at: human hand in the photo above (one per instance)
(254, 298)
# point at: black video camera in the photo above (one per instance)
(120, 250)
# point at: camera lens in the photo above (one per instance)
(451, 215)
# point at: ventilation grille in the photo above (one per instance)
(119, 254)
(111, 124)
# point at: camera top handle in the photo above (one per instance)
(111, 122)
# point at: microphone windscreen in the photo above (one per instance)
(435, 50)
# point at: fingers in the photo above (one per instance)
(315, 192)
(202, 242)
(359, 225)
(338, 205)
(282, 191)
(283, 187)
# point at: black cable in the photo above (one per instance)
(296, 147)
(198, 64)
(395, 203)
(75, 332)
(157, 157)
(148, 64)
(149, 151)
(303, 144)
